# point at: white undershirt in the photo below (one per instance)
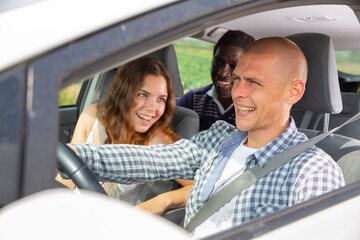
(128, 192)
(222, 219)
(212, 93)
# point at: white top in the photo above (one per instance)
(221, 220)
(91, 134)
(126, 192)
(212, 93)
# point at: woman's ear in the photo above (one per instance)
(297, 89)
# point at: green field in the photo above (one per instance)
(348, 62)
(194, 59)
(68, 95)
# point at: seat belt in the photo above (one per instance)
(102, 134)
(251, 176)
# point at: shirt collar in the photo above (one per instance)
(279, 144)
(234, 139)
(266, 153)
(212, 93)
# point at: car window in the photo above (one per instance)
(68, 95)
(348, 64)
(194, 59)
(348, 61)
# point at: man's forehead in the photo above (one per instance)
(228, 50)
(253, 64)
(257, 59)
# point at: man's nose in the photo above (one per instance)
(240, 89)
(225, 71)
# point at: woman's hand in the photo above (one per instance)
(156, 205)
(173, 199)
(67, 182)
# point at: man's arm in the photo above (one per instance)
(169, 200)
(134, 163)
(327, 177)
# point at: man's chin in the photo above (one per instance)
(242, 127)
(224, 97)
(224, 91)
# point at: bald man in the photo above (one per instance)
(268, 79)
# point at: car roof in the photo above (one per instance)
(62, 21)
(340, 22)
(39, 26)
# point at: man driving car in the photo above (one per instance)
(268, 79)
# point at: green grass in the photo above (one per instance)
(194, 60)
(348, 62)
(68, 95)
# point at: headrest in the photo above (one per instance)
(322, 91)
(105, 82)
(351, 102)
(167, 56)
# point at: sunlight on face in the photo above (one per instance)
(223, 64)
(259, 98)
(149, 103)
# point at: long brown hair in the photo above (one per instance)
(114, 109)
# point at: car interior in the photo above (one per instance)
(315, 120)
(323, 96)
(322, 85)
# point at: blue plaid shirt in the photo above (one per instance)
(204, 157)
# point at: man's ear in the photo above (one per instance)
(297, 89)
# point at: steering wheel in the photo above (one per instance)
(75, 168)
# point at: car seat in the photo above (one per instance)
(322, 95)
(185, 122)
(314, 120)
(167, 56)
(351, 106)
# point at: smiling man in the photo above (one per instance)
(268, 79)
(213, 102)
(267, 82)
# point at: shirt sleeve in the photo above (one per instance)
(210, 139)
(326, 178)
(135, 163)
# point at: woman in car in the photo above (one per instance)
(137, 110)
